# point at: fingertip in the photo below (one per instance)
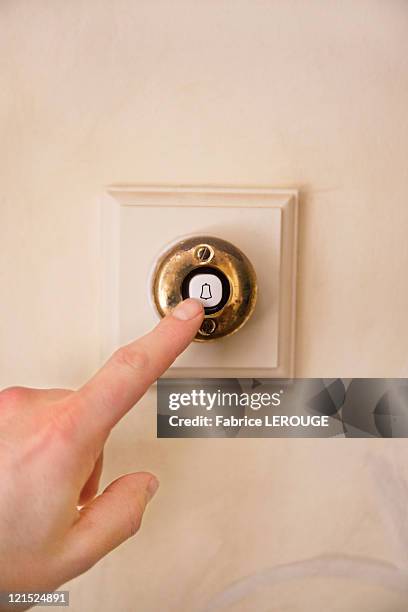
(188, 309)
(143, 481)
(152, 487)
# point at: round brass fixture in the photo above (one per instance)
(214, 270)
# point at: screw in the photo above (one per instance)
(208, 327)
(204, 253)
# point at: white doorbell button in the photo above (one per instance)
(209, 285)
(207, 288)
(213, 271)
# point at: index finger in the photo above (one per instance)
(130, 371)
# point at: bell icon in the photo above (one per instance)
(205, 292)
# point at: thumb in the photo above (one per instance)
(112, 517)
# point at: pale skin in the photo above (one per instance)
(53, 523)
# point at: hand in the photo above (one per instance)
(52, 527)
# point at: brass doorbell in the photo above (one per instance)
(213, 271)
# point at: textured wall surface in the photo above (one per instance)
(311, 95)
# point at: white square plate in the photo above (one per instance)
(137, 225)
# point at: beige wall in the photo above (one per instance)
(311, 95)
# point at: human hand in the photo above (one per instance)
(51, 444)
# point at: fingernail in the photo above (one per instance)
(152, 487)
(188, 309)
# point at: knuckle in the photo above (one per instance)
(65, 422)
(170, 341)
(134, 357)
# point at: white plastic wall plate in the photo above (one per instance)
(138, 222)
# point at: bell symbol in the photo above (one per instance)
(205, 292)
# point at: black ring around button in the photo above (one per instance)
(226, 290)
